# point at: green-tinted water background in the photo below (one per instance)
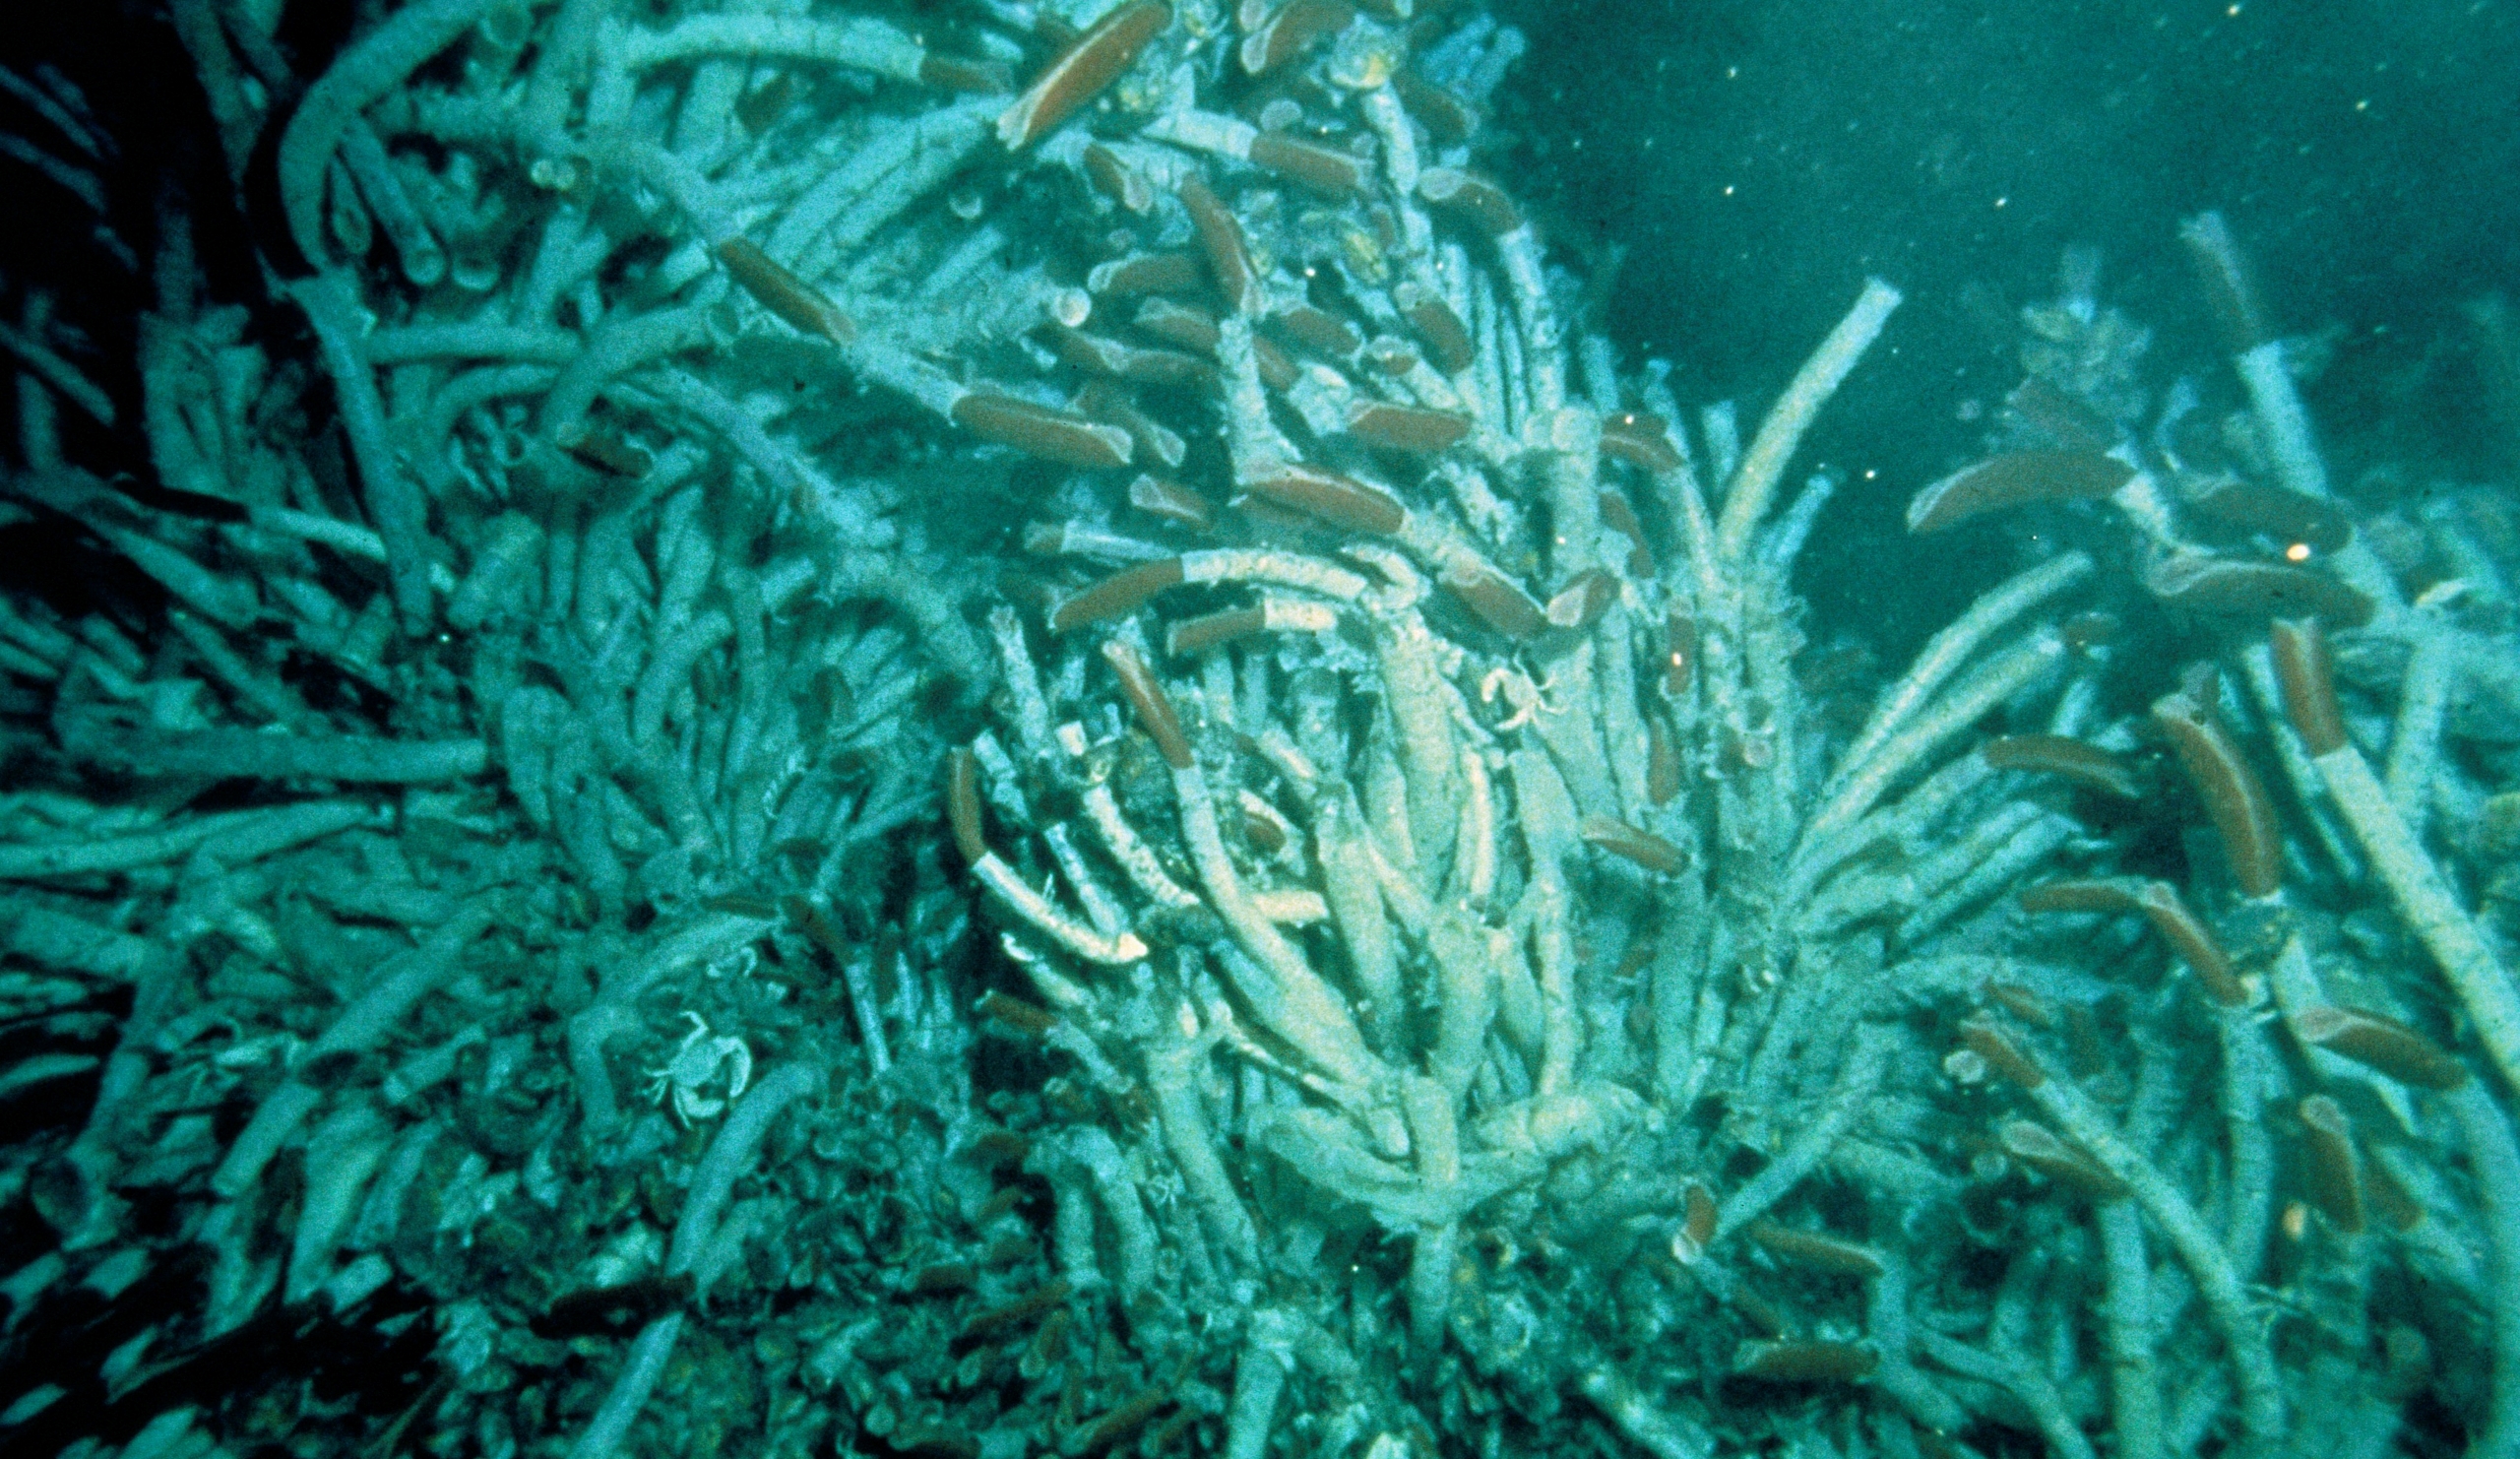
(1756, 160)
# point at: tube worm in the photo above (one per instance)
(1479, 201)
(2313, 522)
(1040, 430)
(1152, 706)
(2380, 1043)
(1076, 539)
(1273, 614)
(778, 289)
(2218, 1282)
(2258, 358)
(2061, 416)
(373, 65)
(1121, 593)
(1582, 602)
(1696, 1231)
(1172, 502)
(2023, 1003)
(395, 500)
(2234, 798)
(1275, 368)
(2159, 902)
(2230, 292)
(2303, 670)
(1640, 438)
(867, 45)
(1438, 328)
(1755, 482)
(1499, 601)
(1152, 438)
(1806, 1362)
(1339, 501)
(1622, 517)
(1410, 428)
(1901, 704)
(2016, 479)
(649, 1352)
(2225, 588)
(1663, 772)
(1078, 73)
(1914, 729)
(604, 449)
(962, 803)
(1815, 1249)
(1273, 38)
(1339, 173)
(1446, 117)
(1644, 848)
(964, 74)
(1121, 1422)
(1114, 178)
(2423, 897)
(1101, 355)
(1319, 331)
(1391, 354)
(1318, 167)
(1142, 274)
(1679, 652)
(2037, 1148)
(728, 1156)
(1220, 238)
(2332, 1173)
(1182, 325)
(2086, 765)
(1988, 1041)
(254, 754)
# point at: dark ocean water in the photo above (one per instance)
(1757, 160)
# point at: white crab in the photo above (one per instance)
(1529, 700)
(695, 1065)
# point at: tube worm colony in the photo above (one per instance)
(1423, 963)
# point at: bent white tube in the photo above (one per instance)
(2495, 1159)
(376, 64)
(395, 500)
(360, 1026)
(729, 1156)
(234, 836)
(621, 1406)
(1818, 379)
(252, 754)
